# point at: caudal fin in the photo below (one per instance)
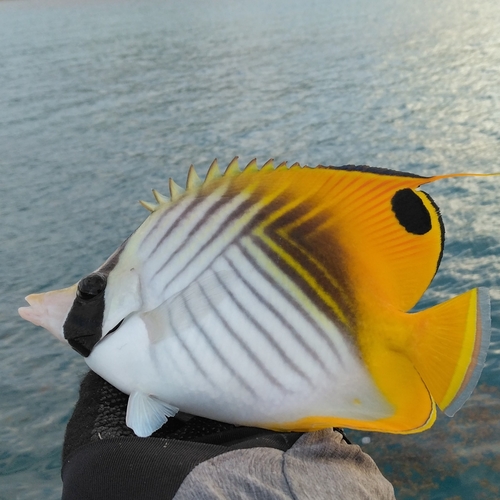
(450, 345)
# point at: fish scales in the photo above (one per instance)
(279, 298)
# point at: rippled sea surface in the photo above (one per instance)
(102, 101)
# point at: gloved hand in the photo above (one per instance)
(194, 458)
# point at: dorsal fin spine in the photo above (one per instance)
(149, 206)
(175, 190)
(160, 198)
(233, 168)
(251, 167)
(193, 180)
(268, 166)
(213, 172)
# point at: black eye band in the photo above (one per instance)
(83, 326)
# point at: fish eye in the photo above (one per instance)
(91, 286)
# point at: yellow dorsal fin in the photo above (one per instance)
(193, 180)
(372, 212)
(268, 166)
(213, 172)
(160, 198)
(233, 168)
(391, 231)
(251, 167)
(387, 233)
(148, 206)
(175, 190)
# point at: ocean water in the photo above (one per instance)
(101, 101)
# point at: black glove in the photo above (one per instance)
(102, 457)
(194, 458)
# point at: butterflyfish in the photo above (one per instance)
(279, 297)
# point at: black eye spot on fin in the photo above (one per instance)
(411, 212)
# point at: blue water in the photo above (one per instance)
(102, 101)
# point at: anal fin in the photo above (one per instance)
(146, 414)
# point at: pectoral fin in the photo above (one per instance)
(146, 414)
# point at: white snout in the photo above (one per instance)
(49, 310)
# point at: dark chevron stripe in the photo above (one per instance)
(268, 336)
(194, 203)
(196, 363)
(238, 211)
(301, 244)
(272, 257)
(296, 335)
(327, 283)
(232, 217)
(242, 344)
(214, 208)
(111, 262)
(222, 360)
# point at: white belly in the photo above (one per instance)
(245, 381)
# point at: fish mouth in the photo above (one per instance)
(49, 310)
(84, 344)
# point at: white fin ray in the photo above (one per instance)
(146, 414)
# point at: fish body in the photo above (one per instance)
(279, 298)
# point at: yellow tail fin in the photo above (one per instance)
(450, 345)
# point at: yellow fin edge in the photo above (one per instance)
(450, 346)
(316, 423)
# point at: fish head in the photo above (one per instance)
(83, 314)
